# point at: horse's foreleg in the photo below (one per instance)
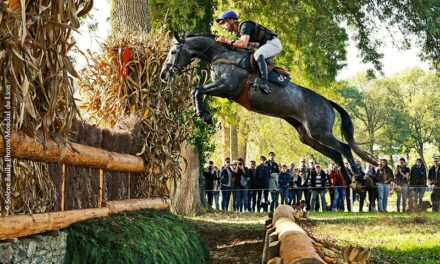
(197, 95)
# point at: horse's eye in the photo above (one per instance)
(173, 52)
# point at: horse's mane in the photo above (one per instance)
(213, 36)
(201, 34)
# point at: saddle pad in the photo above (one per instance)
(278, 78)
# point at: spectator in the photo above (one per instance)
(274, 168)
(318, 182)
(226, 183)
(331, 172)
(401, 179)
(272, 164)
(434, 180)
(252, 174)
(349, 194)
(305, 174)
(360, 185)
(292, 167)
(239, 180)
(245, 185)
(371, 186)
(283, 184)
(210, 176)
(262, 180)
(274, 191)
(312, 170)
(216, 188)
(384, 176)
(295, 184)
(417, 182)
(340, 190)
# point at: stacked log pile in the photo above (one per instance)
(286, 242)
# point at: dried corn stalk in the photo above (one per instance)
(163, 109)
(32, 191)
(34, 42)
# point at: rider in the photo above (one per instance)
(248, 32)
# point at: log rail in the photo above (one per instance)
(25, 147)
(286, 242)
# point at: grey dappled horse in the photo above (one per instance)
(309, 113)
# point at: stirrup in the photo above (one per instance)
(264, 88)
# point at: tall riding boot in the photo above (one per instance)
(262, 66)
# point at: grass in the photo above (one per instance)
(139, 237)
(232, 237)
(394, 237)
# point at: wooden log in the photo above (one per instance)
(295, 245)
(25, 147)
(136, 204)
(24, 225)
(276, 260)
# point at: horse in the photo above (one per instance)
(311, 114)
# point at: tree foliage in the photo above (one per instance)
(314, 33)
(397, 113)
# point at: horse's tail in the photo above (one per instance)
(347, 132)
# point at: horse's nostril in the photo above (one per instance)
(163, 74)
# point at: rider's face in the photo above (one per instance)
(226, 24)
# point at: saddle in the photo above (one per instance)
(277, 75)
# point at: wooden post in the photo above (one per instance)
(274, 250)
(63, 182)
(101, 183)
(129, 185)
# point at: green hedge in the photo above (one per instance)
(140, 237)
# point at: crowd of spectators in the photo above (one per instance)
(262, 187)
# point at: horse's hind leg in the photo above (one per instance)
(318, 146)
(329, 140)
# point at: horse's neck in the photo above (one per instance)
(208, 46)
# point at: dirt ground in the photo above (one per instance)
(232, 238)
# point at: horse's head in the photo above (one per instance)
(178, 57)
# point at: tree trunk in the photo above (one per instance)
(242, 143)
(185, 196)
(225, 138)
(130, 17)
(371, 143)
(420, 152)
(234, 142)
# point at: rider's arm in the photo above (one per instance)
(242, 42)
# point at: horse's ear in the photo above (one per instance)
(176, 37)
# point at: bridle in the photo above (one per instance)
(194, 54)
